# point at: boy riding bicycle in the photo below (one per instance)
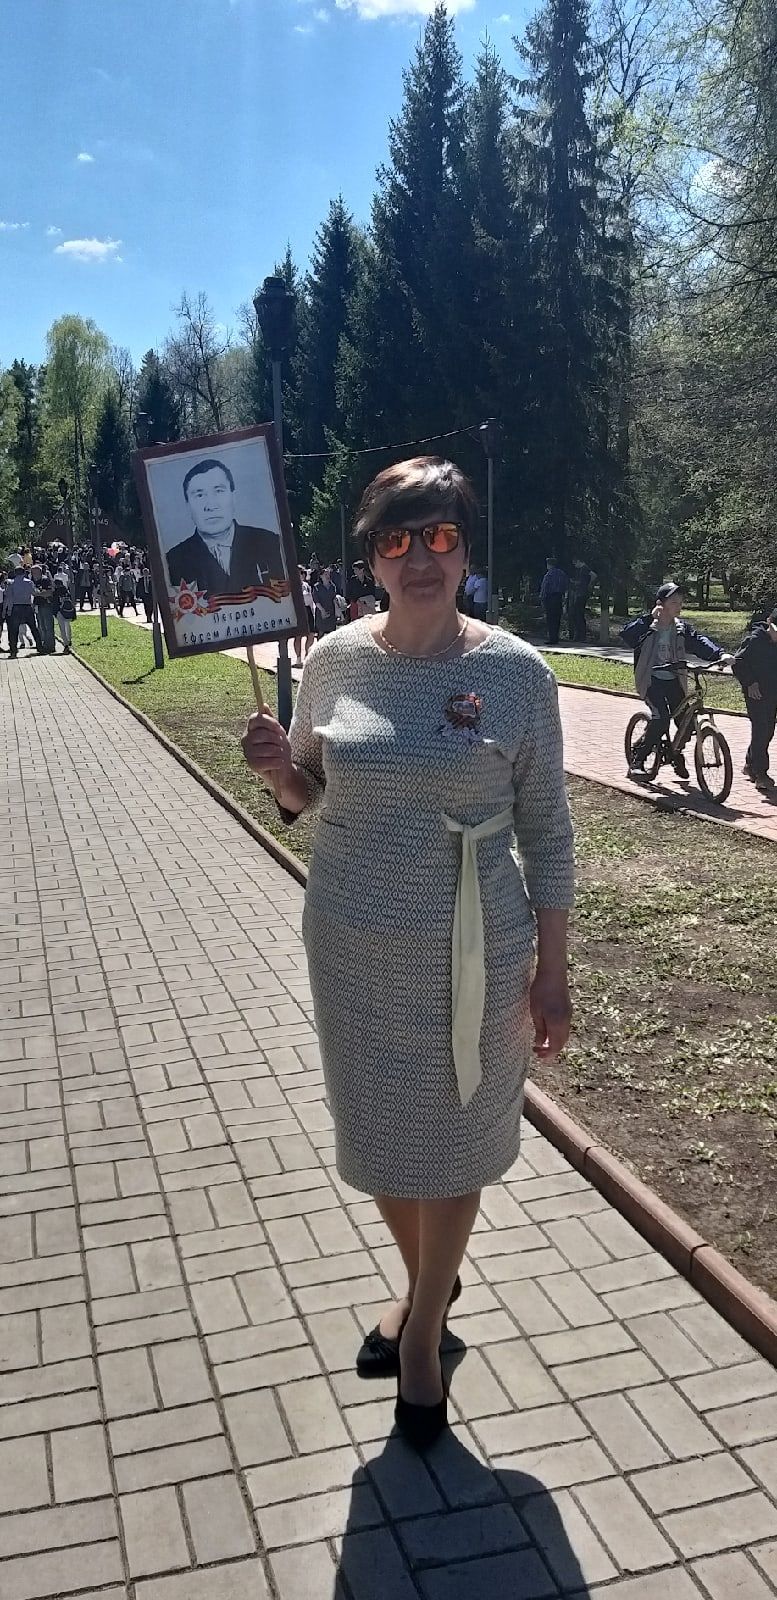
(661, 642)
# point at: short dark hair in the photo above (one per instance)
(425, 485)
(207, 466)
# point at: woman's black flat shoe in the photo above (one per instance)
(379, 1355)
(420, 1426)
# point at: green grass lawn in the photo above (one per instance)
(674, 962)
(723, 694)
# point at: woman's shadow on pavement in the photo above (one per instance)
(447, 1527)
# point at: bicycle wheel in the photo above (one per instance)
(635, 732)
(714, 769)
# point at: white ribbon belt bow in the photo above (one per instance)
(468, 957)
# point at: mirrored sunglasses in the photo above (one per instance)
(439, 537)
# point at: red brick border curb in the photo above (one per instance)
(747, 1308)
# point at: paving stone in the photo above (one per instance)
(306, 1573)
(460, 1535)
(218, 1519)
(672, 1583)
(667, 1345)
(320, 1516)
(691, 1483)
(526, 1430)
(527, 1382)
(260, 1372)
(180, 1372)
(337, 1338)
(746, 1423)
(575, 1344)
(731, 1577)
(616, 1423)
(154, 1468)
(522, 1576)
(55, 1411)
(18, 1340)
(401, 1477)
(239, 1580)
(65, 1332)
(566, 1542)
(531, 1308)
(672, 1419)
(715, 1338)
(766, 1558)
(156, 1264)
(475, 1390)
(558, 1466)
(735, 1522)
(175, 1425)
(605, 1374)
(127, 1383)
(730, 1386)
(623, 1526)
(256, 1428)
(23, 1475)
(154, 1532)
(761, 1460)
(312, 1415)
(28, 1532)
(303, 1476)
(80, 1464)
(571, 1296)
(59, 1572)
(110, 1271)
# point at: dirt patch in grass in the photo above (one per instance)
(674, 964)
(674, 975)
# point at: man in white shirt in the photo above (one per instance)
(19, 602)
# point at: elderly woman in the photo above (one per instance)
(427, 741)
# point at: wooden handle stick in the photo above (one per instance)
(261, 704)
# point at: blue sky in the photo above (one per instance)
(156, 145)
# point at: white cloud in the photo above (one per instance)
(52, 232)
(321, 16)
(13, 227)
(84, 157)
(371, 10)
(505, 19)
(89, 250)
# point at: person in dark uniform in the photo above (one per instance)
(222, 556)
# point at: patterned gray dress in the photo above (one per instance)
(390, 748)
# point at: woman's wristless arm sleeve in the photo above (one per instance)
(543, 827)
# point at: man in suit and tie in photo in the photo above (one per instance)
(222, 556)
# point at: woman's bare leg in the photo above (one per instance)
(443, 1233)
(401, 1219)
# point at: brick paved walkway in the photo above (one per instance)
(183, 1277)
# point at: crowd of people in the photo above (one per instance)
(45, 586)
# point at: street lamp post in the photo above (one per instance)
(93, 476)
(67, 510)
(142, 428)
(489, 438)
(274, 307)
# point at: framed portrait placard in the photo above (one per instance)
(220, 541)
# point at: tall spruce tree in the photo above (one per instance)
(398, 369)
(111, 456)
(328, 288)
(497, 338)
(560, 150)
(155, 397)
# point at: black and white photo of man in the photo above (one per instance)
(222, 556)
